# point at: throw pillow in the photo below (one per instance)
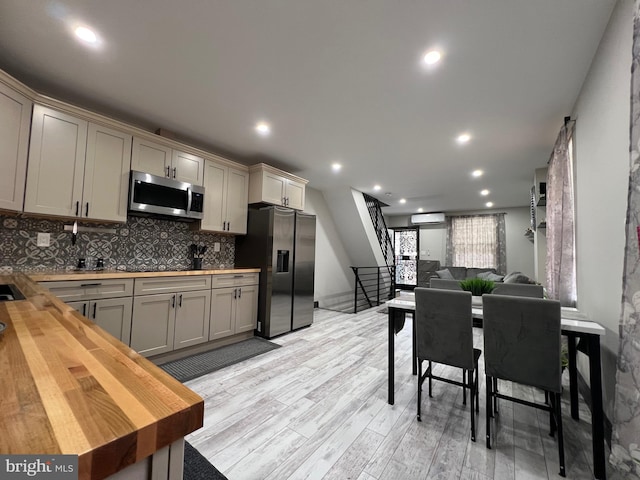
(445, 274)
(517, 277)
(494, 277)
(484, 275)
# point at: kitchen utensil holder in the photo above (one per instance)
(197, 264)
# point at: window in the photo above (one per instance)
(476, 241)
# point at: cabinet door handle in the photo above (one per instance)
(90, 284)
(235, 293)
(84, 309)
(95, 306)
(228, 226)
(77, 208)
(239, 293)
(86, 211)
(173, 302)
(180, 301)
(168, 170)
(174, 171)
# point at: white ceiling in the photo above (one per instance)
(339, 80)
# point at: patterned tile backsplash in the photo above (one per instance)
(140, 244)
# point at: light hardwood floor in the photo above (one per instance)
(316, 408)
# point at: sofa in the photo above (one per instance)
(428, 269)
(462, 273)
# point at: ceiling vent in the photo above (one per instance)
(427, 218)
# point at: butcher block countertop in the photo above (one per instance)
(56, 275)
(68, 387)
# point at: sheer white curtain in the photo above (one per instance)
(625, 442)
(477, 241)
(561, 258)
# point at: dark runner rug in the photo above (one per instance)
(200, 364)
(196, 467)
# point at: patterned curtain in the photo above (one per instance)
(625, 443)
(561, 265)
(477, 241)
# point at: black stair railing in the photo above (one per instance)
(380, 226)
(372, 286)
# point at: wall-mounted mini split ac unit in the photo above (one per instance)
(427, 218)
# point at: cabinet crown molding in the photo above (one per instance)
(263, 167)
(44, 100)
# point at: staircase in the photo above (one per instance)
(375, 210)
(375, 285)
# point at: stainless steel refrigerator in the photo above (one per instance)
(281, 242)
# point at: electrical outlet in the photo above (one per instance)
(216, 246)
(44, 240)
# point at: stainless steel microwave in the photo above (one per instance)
(151, 195)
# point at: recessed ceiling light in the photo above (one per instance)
(336, 167)
(484, 192)
(477, 173)
(263, 128)
(489, 204)
(403, 200)
(377, 188)
(86, 35)
(463, 138)
(432, 57)
(420, 210)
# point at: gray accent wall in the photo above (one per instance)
(602, 113)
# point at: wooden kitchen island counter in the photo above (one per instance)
(68, 387)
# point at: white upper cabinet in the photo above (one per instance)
(237, 201)
(226, 194)
(187, 168)
(76, 168)
(56, 163)
(149, 157)
(106, 174)
(276, 187)
(15, 123)
(163, 161)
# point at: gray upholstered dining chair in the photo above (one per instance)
(522, 344)
(445, 284)
(444, 334)
(519, 289)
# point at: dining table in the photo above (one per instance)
(575, 325)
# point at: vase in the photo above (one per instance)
(476, 301)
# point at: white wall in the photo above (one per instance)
(333, 277)
(602, 114)
(519, 248)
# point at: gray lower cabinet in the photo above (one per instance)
(192, 318)
(170, 313)
(154, 323)
(106, 302)
(233, 310)
(112, 315)
(246, 308)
